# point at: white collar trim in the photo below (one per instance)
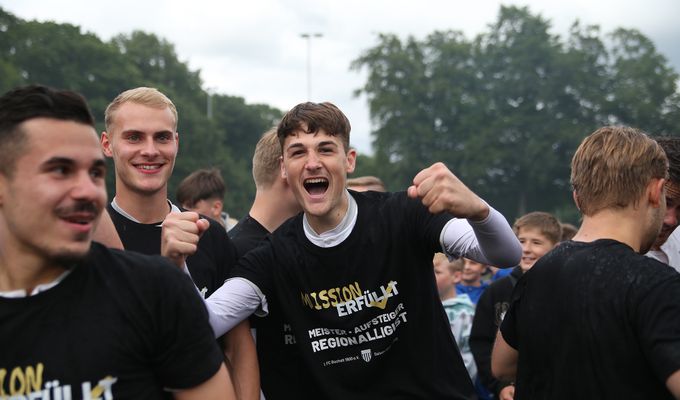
(38, 289)
(173, 208)
(338, 234)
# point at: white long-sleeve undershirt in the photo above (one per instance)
(490, 241)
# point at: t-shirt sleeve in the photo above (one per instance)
(226, 250)
(421, 224)
(186, 352)
(658, 319)
(256, 267)
(509, 326)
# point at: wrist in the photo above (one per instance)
(482, 213)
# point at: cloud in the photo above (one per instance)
(253, 49)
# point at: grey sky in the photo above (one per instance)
(253, 49)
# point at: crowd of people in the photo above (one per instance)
(329, 287)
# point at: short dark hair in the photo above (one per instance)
(671, 146)
(35, 101)
(316, 116)
(202, 184)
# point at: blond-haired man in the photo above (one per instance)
(142, 139)
(595, 319)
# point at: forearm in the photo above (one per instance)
(241, 352)
(233, 302)
(504, 360)
(490, 241)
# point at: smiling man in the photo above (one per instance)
(141, 136)
(353, 273)
(74, 315)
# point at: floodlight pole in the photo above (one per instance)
(308, 37)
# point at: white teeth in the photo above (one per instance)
(316, 180)
(149, 166)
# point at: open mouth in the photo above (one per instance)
(148, 167)
(80, 219)
(316, 186)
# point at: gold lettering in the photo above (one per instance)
(34, 378)
(324, 298)
(356, 290)
(333, 297)
(317, 306)
(306, 300)
(3, 374)
(17, 376)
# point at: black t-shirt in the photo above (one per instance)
(366, 313)
(282, 373)
(246, 235)
(209, 266)
(489, 312)
(595, 321)
(121, 325)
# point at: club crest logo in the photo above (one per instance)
(366, 355)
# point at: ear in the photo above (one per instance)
(574, 196)
(351, 160)
(177, 140)
(3, 185)
(216, 208)
(284, 174)
(656, 192)
(106, 144)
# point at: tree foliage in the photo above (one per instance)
(507, 109)
(62, 56)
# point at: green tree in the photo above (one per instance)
(61, 55)
(506, 110)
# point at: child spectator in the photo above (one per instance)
(471, 280)
(203, 192)
(459, 309)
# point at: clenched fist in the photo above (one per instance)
(180, 235)
(441, 191)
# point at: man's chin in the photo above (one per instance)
(69, 259)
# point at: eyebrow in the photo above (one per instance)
(99, 162)
(324, 143)
(132, 131)
(327, 143)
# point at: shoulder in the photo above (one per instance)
(500, 285)
(132, 266)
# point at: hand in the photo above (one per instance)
(441, 190)
(507, 393)
(180, 235)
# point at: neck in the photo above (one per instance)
(620, 225)
(22, 269)
(268, 211)
(449, 294)
(144, 207)
(332, 219)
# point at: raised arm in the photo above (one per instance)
(479, 232)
